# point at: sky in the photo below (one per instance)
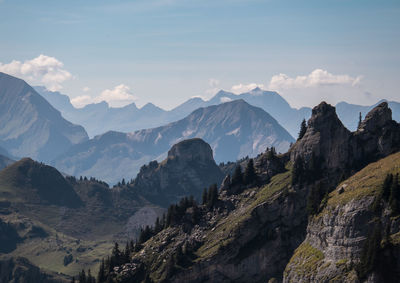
(167, 51)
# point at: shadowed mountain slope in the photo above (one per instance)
(30, 126)
(234, 130)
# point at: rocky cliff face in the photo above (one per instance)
(253, 235)
(341, 151)
(188, 169)
(337, 237)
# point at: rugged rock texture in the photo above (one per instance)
(336, 238)
(251, 236)
(338, 150)
(30, 126)
(188, 169)
(326, 138)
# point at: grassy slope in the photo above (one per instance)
(366, 182)
(220, 234)
(87, 231)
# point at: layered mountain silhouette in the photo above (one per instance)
(100, 118)
(233, 129)
(30, 126)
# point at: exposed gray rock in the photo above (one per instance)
(189, 169)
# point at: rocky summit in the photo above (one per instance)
(188, 169)
(325, 210)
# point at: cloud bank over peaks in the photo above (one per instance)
(119, 96)
(310, 89)
(316, 78)
(42, 70)
(241, 88)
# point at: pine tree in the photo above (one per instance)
(394, 199)
(314, 200)
(127, 253)
(195, 215)
(101, 276)
(303, 129)
(250, 173)
(212, 196)
(371, 251)
(178, 257)
(298, 171)
(82, 276)
(90, 278)
(359, 121)
(204, 196)
(387, 186)
(157, 226)
(237, 177)
(115, 255)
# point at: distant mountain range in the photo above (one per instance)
(30, 126)
(100, 118)
(233, 129)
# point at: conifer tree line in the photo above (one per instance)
(185, 211)
(390, 194)
(241, 180)
(306, 172)
(303, 129)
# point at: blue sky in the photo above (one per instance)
(166, 51)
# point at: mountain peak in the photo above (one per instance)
(191, 150)
(323, 115)
(377, 117)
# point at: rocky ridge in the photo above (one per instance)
(336, 237)
(188, 169)
(251, 236)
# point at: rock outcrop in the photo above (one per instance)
(337, 237)
(340, 151)
(252, 235)
(188, 169)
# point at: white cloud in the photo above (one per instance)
(316, 78)
(309, 90)
(213, 88)
(43, 70)
(81, 101)
(213, 82)
(241, 88)
(86, 89)
(225, 99)
(119, 96)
